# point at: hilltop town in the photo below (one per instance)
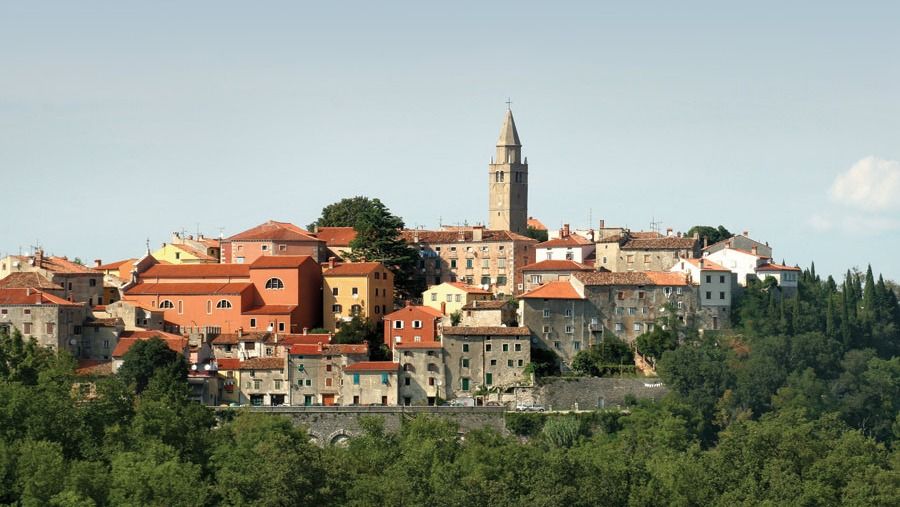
(280, 315)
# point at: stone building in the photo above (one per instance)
(714, 285)
(370, 383)
(133, 316)
(508, 182)
(316, 371)
(264, 381)
(488, 313)
(740, 242)
(421, 372)
(99, 338)
(643, 251)
(474, 256)
(560, 319)
(52, 321)
(545, 271)
(79, 283)
(489, 357)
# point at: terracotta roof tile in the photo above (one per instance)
(557, 265)
(772, 266)
(263, 363)
(553, 290)
(177, 344)
(114, 266)
(333, 349)
(200, 254)
(197, 271)
(373, 366)
(486, 331)
(294, 339)
(28, 296)
(413, 309)
(418, 345)
(571, 240)
(536, 224)
(270, 310)
(708, 265)
(280, 261)
(272, 230)
(233, 338)
(228, 363)
(93, 368)
(24, 279)
(187, 288)
(336, 236)
(60, 265)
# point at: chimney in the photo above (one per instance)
(305, 330)
(701, 263)
(331, 262)
(408, 303)
(28, 291)
(602, 224)
(98, 263)
(460, 235)
(705, 242)
(669, 232)
(746, 234)
(477, 232)
(416, 236)
(754, 250)
(39, 257)
(240, 332)
(564, 233)
(696, 235)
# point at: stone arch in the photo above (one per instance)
(339, 438)
(314, 438)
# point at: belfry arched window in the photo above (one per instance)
(274, 283)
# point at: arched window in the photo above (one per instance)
(274, 283)
(223, 303)
(166, 304)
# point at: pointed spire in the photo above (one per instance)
(509, 136)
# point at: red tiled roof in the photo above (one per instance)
(568, 241)
(280, 261)
(228, 363)
(272, 230)
(113, 266)
(418, 345)
(557, 265)
(28, 296)
(200, 254)
(28, 279)
(772, 266)
(708, 265)
(413, 309)
(187, 288)
(270, 310)
(177, 344)
(354, 269)
(373, 366)
(468, 288)
(295, 339)
(334, 349)
(336, 236)
(197, 271)
(108, 322)
(144, 334)
(553, 290)
(263, 363)
(536, 224)
(748, 252)
(93, 368)
(486, 331)
(632, 278)
(60, 265)
(438, 237)
(233, 338)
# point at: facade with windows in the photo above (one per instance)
(541, 272)
(52, 321)
(72, 281)
(450, 297)
(358, 288)
(421, 372)
(264, 381)
(567, 246)
(643, 251)
(271, 239)
(316, 371)
(477, 359)
(370, 383)
(412, 324)
(279, 294)
(488, 259)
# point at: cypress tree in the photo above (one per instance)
(829, 317)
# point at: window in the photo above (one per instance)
(465, 384)
(570, 329)
(557, 345)
(417, 338)
(406, 381)
(282, 248)
(458, 298)
(576, 345)
(630, 259)
(546, 313)
(465, 362)
(166, 304)
(328, 382)
(485, 263)
(449, 298)
(308, 382)
(489, 378)
(619, 327)
(521, 362)
(378, 275)
(568, 312)
(398, 324)
(721, 278)
(465, 347)
(277, 384)
(223, 303)
(646, 258)
(335, 291)
(547, 329)
(257, 384)
(667, 291)
(493, 362)
(356, 379)
(535, 279)
(26, 328)
(678, 291)
(722, 295)
(501, 263)
(49, 328)
(469, 264)
(355, 310)
(452, 263)
(509, 363)
(180, 307)
(487, 347)
(417, 324)
(253, 323)
(274, 284)
(354, 291)
(384, 379)
(434, 296)
(708, 295)
(505, 347)
(281, 327)
(377, 309)
(680, 304)
(637, 326)
(92, 282)
(518, 347)
(208, 307)
(620, 295)
(264, 248)
(708, 278)
(640, 294)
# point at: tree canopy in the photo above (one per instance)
(709, 234)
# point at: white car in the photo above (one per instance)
(522, 407)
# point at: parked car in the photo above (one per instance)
(529, 407)
(462, 402)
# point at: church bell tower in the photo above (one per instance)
(508, 182)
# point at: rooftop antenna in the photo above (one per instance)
(221, 232)
(654, 224)
(148, 246)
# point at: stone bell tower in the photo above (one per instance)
(508, 182)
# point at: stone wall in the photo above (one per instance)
(593, 392)
(334, 425)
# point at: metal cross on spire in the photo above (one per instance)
(508, 104)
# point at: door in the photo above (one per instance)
(307, 400)
(328, 399)
(465, 384)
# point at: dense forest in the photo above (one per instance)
(797, 405)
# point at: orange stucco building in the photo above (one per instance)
(272, 239)
(281, 294)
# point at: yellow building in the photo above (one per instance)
(358, 288)
(450, 297)
(174, 253)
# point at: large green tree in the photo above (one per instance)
(147, 357)
(709, 233)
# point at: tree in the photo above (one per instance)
(154, 475)
(709, 234)
(345, 213)
(360, 329)
(611, 355)
(538, 234)
(145, 358)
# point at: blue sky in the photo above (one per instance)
(121, 121)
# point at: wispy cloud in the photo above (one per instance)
(872, 184)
